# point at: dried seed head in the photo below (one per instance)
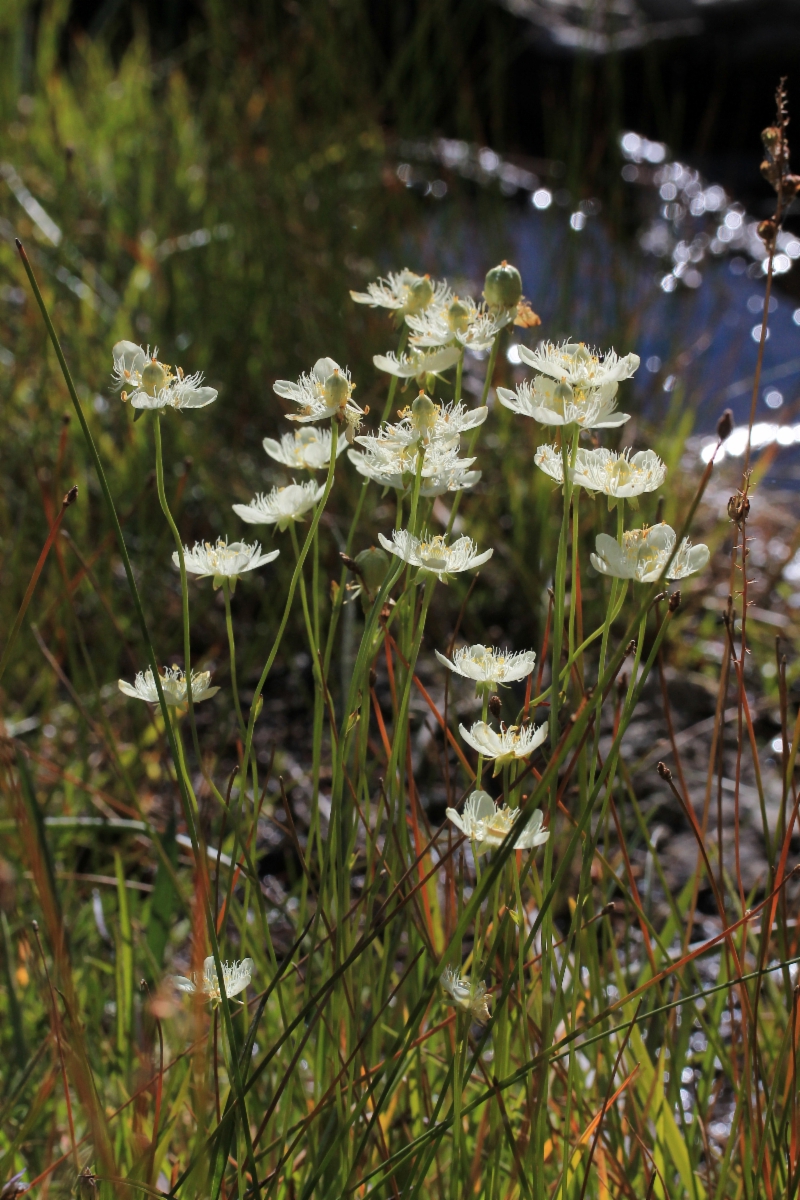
(768, 231)
(674, 602)
(771, 138)
(739, 508)
(664, 772)
(725, 425)
(71, 496)
(495, 706)
(631, 647)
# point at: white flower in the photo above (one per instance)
(173, 685)
(553, 403)
(428, 422)
(621, 475)
(512, 742)
(326, 391)
(433, 554)
(404, 292)
(223, 561)
(309, 448)
(417, 363)
(459, 320)
(392, 465)
(487, 825)
(464, 995)
(148, 383)
(487, 666)
(575, 364)
(644, 553)
(281, 505)
(235, 977)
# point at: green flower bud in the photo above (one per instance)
(154, 378)
(458, 316)
(373, 565)
(336, 388)
(503, 286)
(420, 294)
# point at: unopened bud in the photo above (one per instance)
(725, 425)
(664, 772)
(503, 286)
(71, 496)
(372, 565)
(768, 231)
(674, 602)
(495, 706)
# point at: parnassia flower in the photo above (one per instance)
(582, 368)
(620, 476)
(235, 977)
(148, 383)
(460, 322)
(552, 403)
(418, 363)
(465, 995)
(644, 554)
(403, 292)
(426, 422)
(308, 448)
(326, 391)
(280, 506)
(393, 465)
(173, 685)
(487, 825)
(489, 667)
(512, 741)
(433, 553)
(221, 560)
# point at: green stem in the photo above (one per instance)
(290, 597)
(226, 591)
(187, 644)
